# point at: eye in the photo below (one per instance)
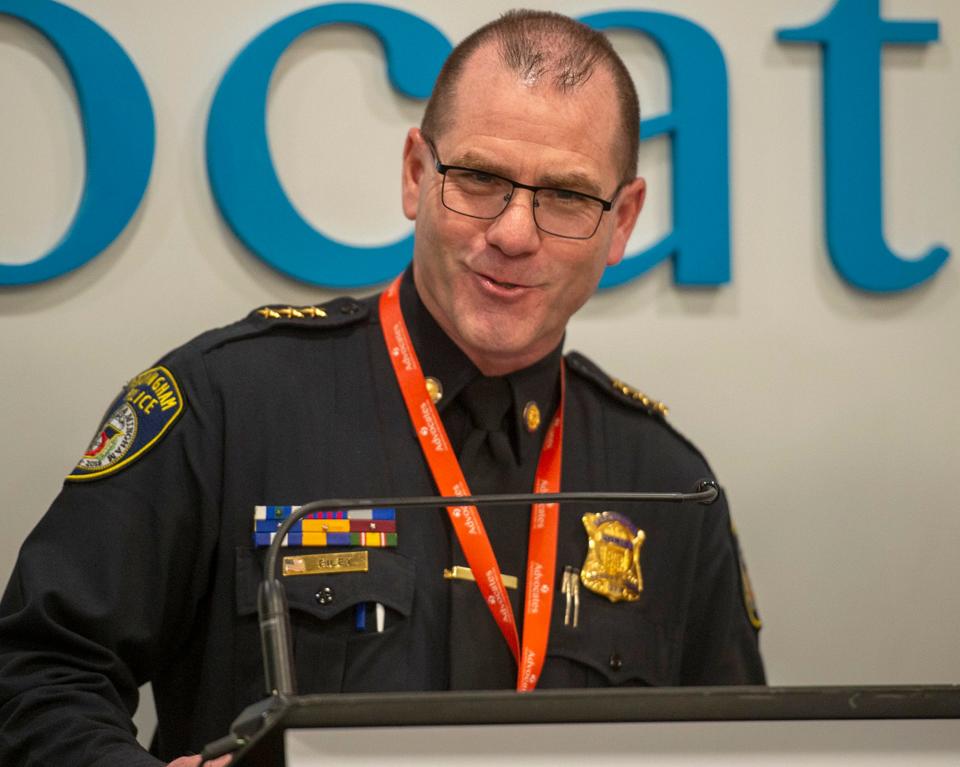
(566, 198)
(479, 177)
(477, 182)
(567, 195)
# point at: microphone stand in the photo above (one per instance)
(274, 612)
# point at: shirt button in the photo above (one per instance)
(325, 596)
(616, 662)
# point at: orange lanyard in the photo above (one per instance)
(448, 476)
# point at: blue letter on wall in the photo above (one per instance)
(241, 170)
(697, 123)
(118, 134)
(852, 35)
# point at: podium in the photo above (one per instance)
(665, 726)
(610, 726)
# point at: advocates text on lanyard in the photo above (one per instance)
(448, 476)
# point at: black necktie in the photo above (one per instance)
(486, 456)
(479, 657)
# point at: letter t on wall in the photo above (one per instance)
(852, 35)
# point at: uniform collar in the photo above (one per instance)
(442, 359)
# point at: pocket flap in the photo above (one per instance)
(389, 580)
(618, 642)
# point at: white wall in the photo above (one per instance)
(828, 414)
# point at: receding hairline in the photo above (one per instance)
(544, 49)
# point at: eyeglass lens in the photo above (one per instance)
(556, 211)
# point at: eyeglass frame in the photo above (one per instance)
(442, 168)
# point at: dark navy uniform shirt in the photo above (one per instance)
(146, 570)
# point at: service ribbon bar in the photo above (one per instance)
(373, 540)
(342, 527)
(328, 526)
(282, 512)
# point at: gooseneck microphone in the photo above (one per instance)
(272, 603)
(274, 613)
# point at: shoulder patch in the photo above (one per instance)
(136, 420)
(614, 386)
(746, 587)
(335, 313)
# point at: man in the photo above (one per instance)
(522, 184)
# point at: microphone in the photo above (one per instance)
(272, 605)
(274, 613)
(275, 640)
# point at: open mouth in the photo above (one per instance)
(503, 285)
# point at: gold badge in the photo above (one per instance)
(327, 564)
(612, 566)
(531, 416)
(434, 389)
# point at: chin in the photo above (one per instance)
(497, 345)
(500, 334)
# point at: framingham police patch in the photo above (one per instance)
(135, 422)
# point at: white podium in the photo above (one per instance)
(679, 727)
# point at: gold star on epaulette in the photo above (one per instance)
(292, 312)
(648, 402)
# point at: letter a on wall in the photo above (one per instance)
(697, 124)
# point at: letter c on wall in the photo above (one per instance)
(242, 175)
(118, 135)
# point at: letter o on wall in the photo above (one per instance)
(119, 136)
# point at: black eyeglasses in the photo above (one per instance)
(479, 194)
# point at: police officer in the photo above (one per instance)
(521, 181)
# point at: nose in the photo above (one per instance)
(514, 232)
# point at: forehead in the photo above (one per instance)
(530, 124)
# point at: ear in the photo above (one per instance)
(625, 211)
(413, 170)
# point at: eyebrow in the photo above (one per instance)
(577, 182)
(572, 180)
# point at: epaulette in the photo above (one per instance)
(332, 314)
(335, 313)
(614, 387)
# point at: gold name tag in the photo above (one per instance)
(326, 564)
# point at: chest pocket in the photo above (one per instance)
(614, 644)
(334, 616)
